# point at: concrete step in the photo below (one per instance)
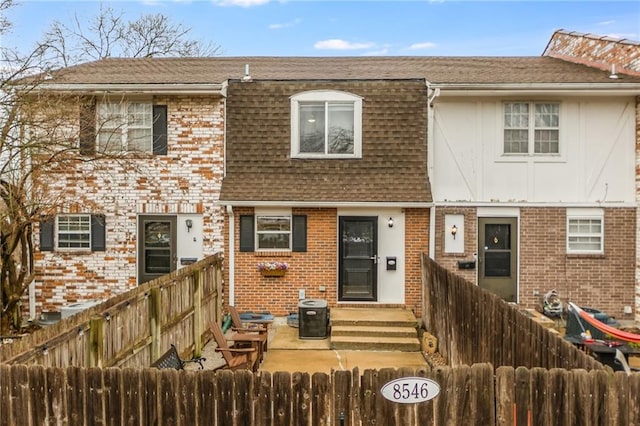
(377, 329)
(389, 317)
(373, 331)
(375, 343)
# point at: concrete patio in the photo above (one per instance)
(289, 353)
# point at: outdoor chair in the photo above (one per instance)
(171, 359)
(235, 358)
(247, 332)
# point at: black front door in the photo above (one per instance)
(156, 247)
(358, 247)
(498, 243)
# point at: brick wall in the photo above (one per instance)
(318, 266)
(450, 260)
(604, 282)
(416, 243)
(596, 51)
(309, 270)
(186, 180)
(637, 292)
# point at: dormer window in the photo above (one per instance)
(326, 124)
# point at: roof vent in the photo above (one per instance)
(247, 76)
(613, 74)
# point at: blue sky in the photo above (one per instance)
(355, 28)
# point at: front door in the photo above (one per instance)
(358, 249)
(156, 247)
(498, 268)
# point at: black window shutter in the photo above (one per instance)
(98, 234)
(46, 233)
(299, 233)
(247, 234)
(160, 130)
(87, 143)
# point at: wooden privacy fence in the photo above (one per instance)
(133, 328)
(475, 326)
(476, 395)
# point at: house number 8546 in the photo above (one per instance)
(409, 390)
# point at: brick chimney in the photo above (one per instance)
(606, 53)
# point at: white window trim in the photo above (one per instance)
(505, 157)
(281, 213)
(326, 96)
(591, 214)
(123, 127)
(57, 233)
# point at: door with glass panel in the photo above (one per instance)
(156, 247)
(358, 254)
(498, 256)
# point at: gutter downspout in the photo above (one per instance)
(432, 94)
(225, 86)
(231, 255)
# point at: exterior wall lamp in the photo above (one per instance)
(454, 231)
(390, 222)
(189, 224)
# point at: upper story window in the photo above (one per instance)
(531, 128)
(125, 127)
(326, 124)
(585, 231)
(120, 127)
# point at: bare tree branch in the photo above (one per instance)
(40, 132)
(109, 35)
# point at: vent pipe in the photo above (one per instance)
(247, 76)
(613, 74)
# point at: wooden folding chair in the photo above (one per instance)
(235, 358)
(241, 327)
(248, 333)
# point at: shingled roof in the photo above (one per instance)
(393, 167)
(437, 70)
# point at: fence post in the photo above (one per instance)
(197, 312)
(219, 277)
(96, 342)
(154, 323)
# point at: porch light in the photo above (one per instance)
(390, 222)
(454, 231)
(189, 224)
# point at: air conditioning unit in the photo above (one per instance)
(74, 308)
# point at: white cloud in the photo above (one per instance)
(337, 44)
(285, 25)
(241, 3)
(422, 46)
(606, 23)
